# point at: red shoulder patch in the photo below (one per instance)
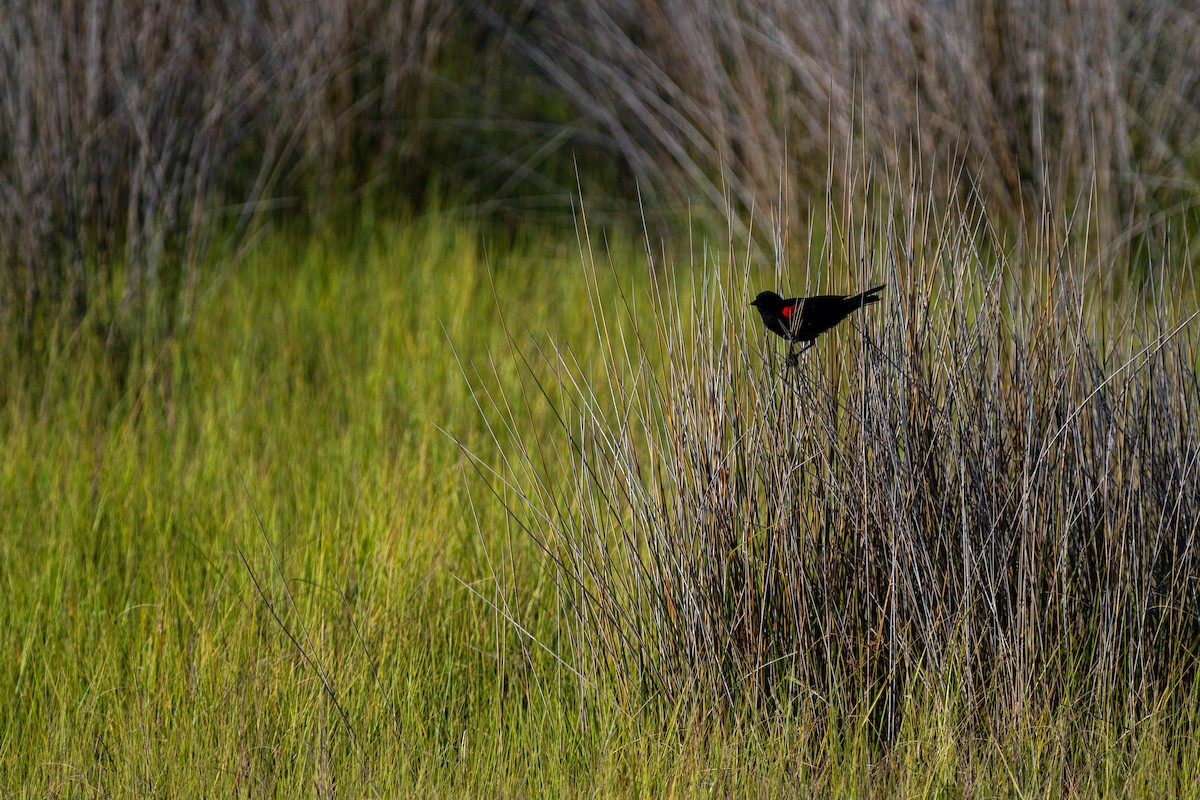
(788, 309)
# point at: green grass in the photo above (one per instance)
(238, 568)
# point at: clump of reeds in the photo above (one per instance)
(1035, 99)
(990, 481)
(132, 133)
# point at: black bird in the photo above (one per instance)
(803, 319)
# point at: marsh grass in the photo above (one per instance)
(131, 135)
(144, 660)
(146, 139)
(1022, 105)
(980, 500)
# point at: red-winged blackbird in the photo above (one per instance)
(803, 319)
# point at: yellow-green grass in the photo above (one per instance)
(240, 567)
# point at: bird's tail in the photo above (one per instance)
(863, 298)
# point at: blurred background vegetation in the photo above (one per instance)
(137, 136)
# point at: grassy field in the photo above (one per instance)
(257, 558)
(480, 503)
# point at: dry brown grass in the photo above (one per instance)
(992, 483)
(131, 133)
(1012, 105)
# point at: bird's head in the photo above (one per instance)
(767, 301)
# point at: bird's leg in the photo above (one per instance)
(793, 359)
